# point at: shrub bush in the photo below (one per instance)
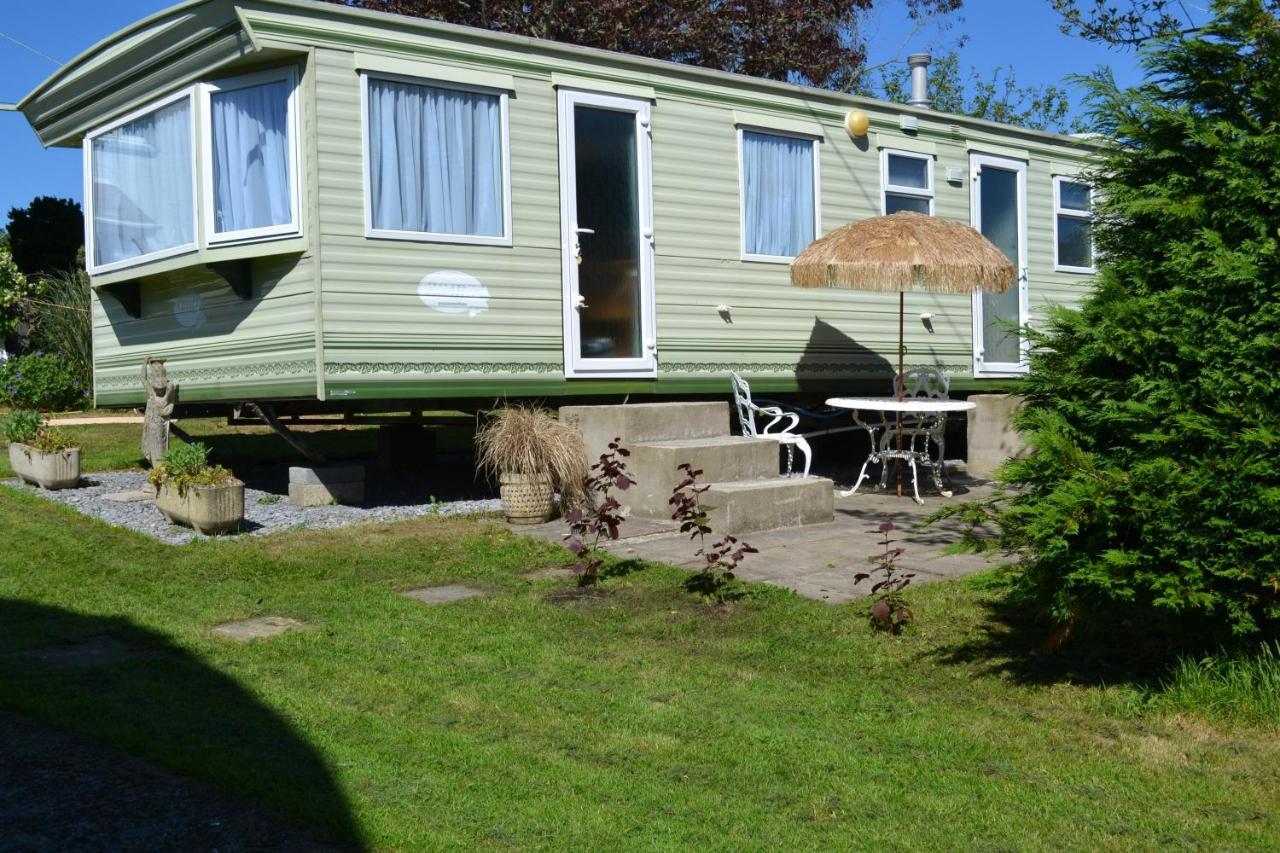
(1154, 411)
(61, 322)
(187, 465)
(42, 381)
(24, 426)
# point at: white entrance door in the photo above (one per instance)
(999, 210)
(606, 221)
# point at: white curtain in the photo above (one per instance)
(435, 160)
(251, 180)
(777, 173)
(142, 196)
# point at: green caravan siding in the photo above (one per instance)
(380, 340)
(217, 346)
(340, 317)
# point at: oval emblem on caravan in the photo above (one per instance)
(453, 292)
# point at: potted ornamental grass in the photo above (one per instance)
(41, 454)
(533, 455)
(195, 494)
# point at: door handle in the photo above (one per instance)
(584, 231)
(579, 301)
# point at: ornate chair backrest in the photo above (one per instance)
(742, 402)
(924, 382)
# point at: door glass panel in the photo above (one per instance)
(1000, 315)
(608, 204)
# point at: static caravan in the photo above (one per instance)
(299, 201)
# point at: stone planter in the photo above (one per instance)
(57, 470)
(527, 498)
(206, 509)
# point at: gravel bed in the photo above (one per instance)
(266, 510)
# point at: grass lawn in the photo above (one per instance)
(639, 718)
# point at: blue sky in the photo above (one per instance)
(1018, 33)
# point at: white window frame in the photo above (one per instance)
(244, 81)
(1072, 213)
(742, 192)
(505, 239)
(90, 252)
(887, 188)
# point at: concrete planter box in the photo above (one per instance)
(992, 439)
(527, 498)
(58, 470)
(206, 509)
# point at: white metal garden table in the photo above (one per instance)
(883, 450)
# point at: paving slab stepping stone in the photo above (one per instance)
(256, 628)
(130, 497)
(443, 594)
(554, 572)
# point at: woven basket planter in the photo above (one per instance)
(57, 470)
(527, 498)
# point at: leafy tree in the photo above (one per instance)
(815, 42)
(1124, 24)
(46, 235)
(996, 96)
(15, 290)
(1154, 410)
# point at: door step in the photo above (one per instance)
(745, 506)
(645, 422)
(653, 466)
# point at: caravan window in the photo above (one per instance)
(779, 183)
(436, 162)
(250, 157)
(1073, 218)
(141, 189)
(908, 181)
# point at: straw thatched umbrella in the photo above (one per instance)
(900, 252)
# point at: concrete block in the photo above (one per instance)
(722, 459)
(992, 438)
(259, 627)
(645, 422)
(325, 475)
(750, 505)
(323, 494)
(443, 594)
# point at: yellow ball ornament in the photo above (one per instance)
(857, 123)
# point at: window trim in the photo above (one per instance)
(270, 232)
(1072, 213)
(814, 140)
(505, 239)
(94, 268)
(887, 188)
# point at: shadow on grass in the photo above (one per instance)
(111, 681)
(1103, 650)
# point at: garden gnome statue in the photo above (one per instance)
(161, 395)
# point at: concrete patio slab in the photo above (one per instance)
(819, 561)
(443, 594)
(257, 628)
(99, 650)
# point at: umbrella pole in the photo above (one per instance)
(898, 381)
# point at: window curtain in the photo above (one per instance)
(251, 180)
(777, 174)
(435, 160)
(142, 196)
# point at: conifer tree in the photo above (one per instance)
(1154, 410)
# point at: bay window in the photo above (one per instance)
(143, 172)
(141, 191)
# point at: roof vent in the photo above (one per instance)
(919, 64)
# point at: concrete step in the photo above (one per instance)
(645, 422)
(745, 506)
(721, 458)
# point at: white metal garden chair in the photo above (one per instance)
(920, 383)
(747, 412)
